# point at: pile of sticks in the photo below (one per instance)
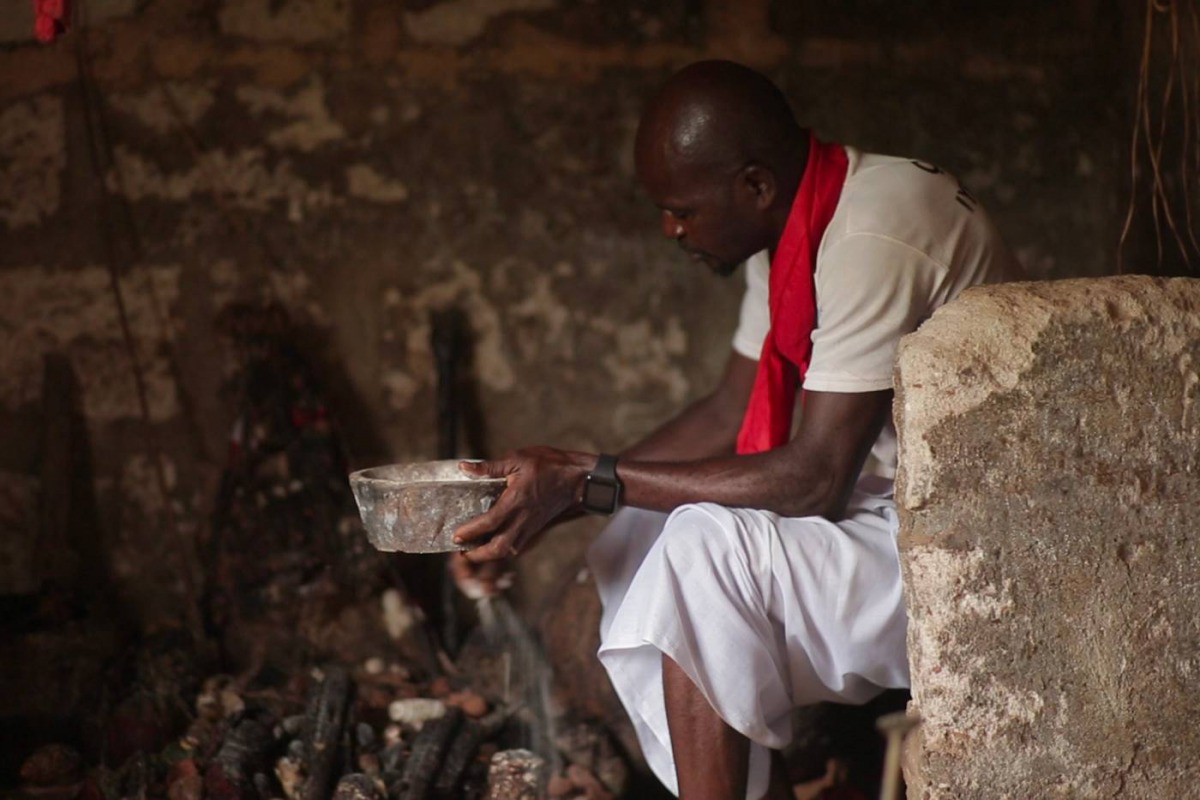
(371, 732)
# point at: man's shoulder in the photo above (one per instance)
(876, 180)
(912, 204)
(862, 163)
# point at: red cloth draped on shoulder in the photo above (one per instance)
(793, 302)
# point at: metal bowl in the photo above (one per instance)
(415, 508)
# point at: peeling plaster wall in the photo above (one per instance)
(366, 162)
(31, 138)
(296, 21)
(44, 311)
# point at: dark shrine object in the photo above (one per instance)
(286, 553)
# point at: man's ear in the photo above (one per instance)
(759, 182)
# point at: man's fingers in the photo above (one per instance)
(498, 548)
(484, 524)
(474, 528)
(462, 572)
(475, 580)
(484, 579)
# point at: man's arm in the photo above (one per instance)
(708, 427)
(812, 475)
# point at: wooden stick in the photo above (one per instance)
(326, 717)
(463, 748)
(894, 726)
(428, 752)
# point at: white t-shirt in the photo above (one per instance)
(904, 239)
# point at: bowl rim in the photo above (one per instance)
(361, 475)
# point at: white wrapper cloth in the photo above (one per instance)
(762, 612)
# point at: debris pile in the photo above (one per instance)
(375, 731)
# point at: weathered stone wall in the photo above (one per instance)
(1049, 471)
(364, 162)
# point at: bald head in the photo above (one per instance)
(720, 115)
(721, 155)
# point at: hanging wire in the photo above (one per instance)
(1169, 54)
(102, 163)
(1191, 107)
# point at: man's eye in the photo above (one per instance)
(681, 214)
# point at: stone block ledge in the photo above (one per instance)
(1050, 540)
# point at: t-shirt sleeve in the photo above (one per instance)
(755, 318)
(871, 290)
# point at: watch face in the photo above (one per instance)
(600, 496)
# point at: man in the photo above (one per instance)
(756, 568)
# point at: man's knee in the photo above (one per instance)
(704, 532)
(631, 518)
(623, 543)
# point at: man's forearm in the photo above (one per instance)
(770, 481)
(780, 480)
(813, 474)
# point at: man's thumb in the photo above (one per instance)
(481, 469)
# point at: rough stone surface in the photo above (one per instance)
(1049, 470)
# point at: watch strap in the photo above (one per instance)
(606, 468)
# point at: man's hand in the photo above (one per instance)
(542, 483)
(476, 581)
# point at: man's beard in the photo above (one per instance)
(724, 270)
(717, 266)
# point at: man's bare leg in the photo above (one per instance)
(712, 760)
(780, 787)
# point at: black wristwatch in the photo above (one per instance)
(602, 487)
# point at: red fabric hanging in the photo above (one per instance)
(50, 19)
(793, 302)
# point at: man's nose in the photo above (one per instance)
(672, 228)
